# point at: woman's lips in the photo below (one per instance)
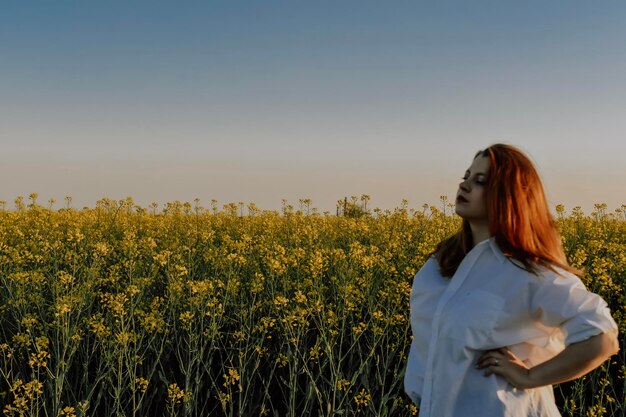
(461, 199)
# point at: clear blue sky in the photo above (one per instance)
(257, 101)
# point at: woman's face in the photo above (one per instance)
(470, 198)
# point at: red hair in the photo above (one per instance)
(518, 215)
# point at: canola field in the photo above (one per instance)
(120, 310)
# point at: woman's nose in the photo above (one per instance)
(464, 186)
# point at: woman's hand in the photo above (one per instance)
(504, 363)
(574, 361)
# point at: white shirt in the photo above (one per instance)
(490, 303)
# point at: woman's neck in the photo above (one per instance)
(480, 232)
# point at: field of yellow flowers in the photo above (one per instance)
(120, 310)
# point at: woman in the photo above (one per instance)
(497, 314)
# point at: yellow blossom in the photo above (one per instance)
(315, 352)
(343, 384)
(176, 395)
(231, 378)
(142, 384)
(65, 278)
(281, 360)
(281, 301)
(360, 328)
(186, 319)
(67, 412)
(363, 398)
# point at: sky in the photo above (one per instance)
(260, 101)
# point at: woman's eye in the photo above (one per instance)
(478, 182)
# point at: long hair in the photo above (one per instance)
(518, 216)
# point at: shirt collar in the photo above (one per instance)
(496, 249)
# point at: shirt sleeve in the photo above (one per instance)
(561, 300)
(413, 379)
